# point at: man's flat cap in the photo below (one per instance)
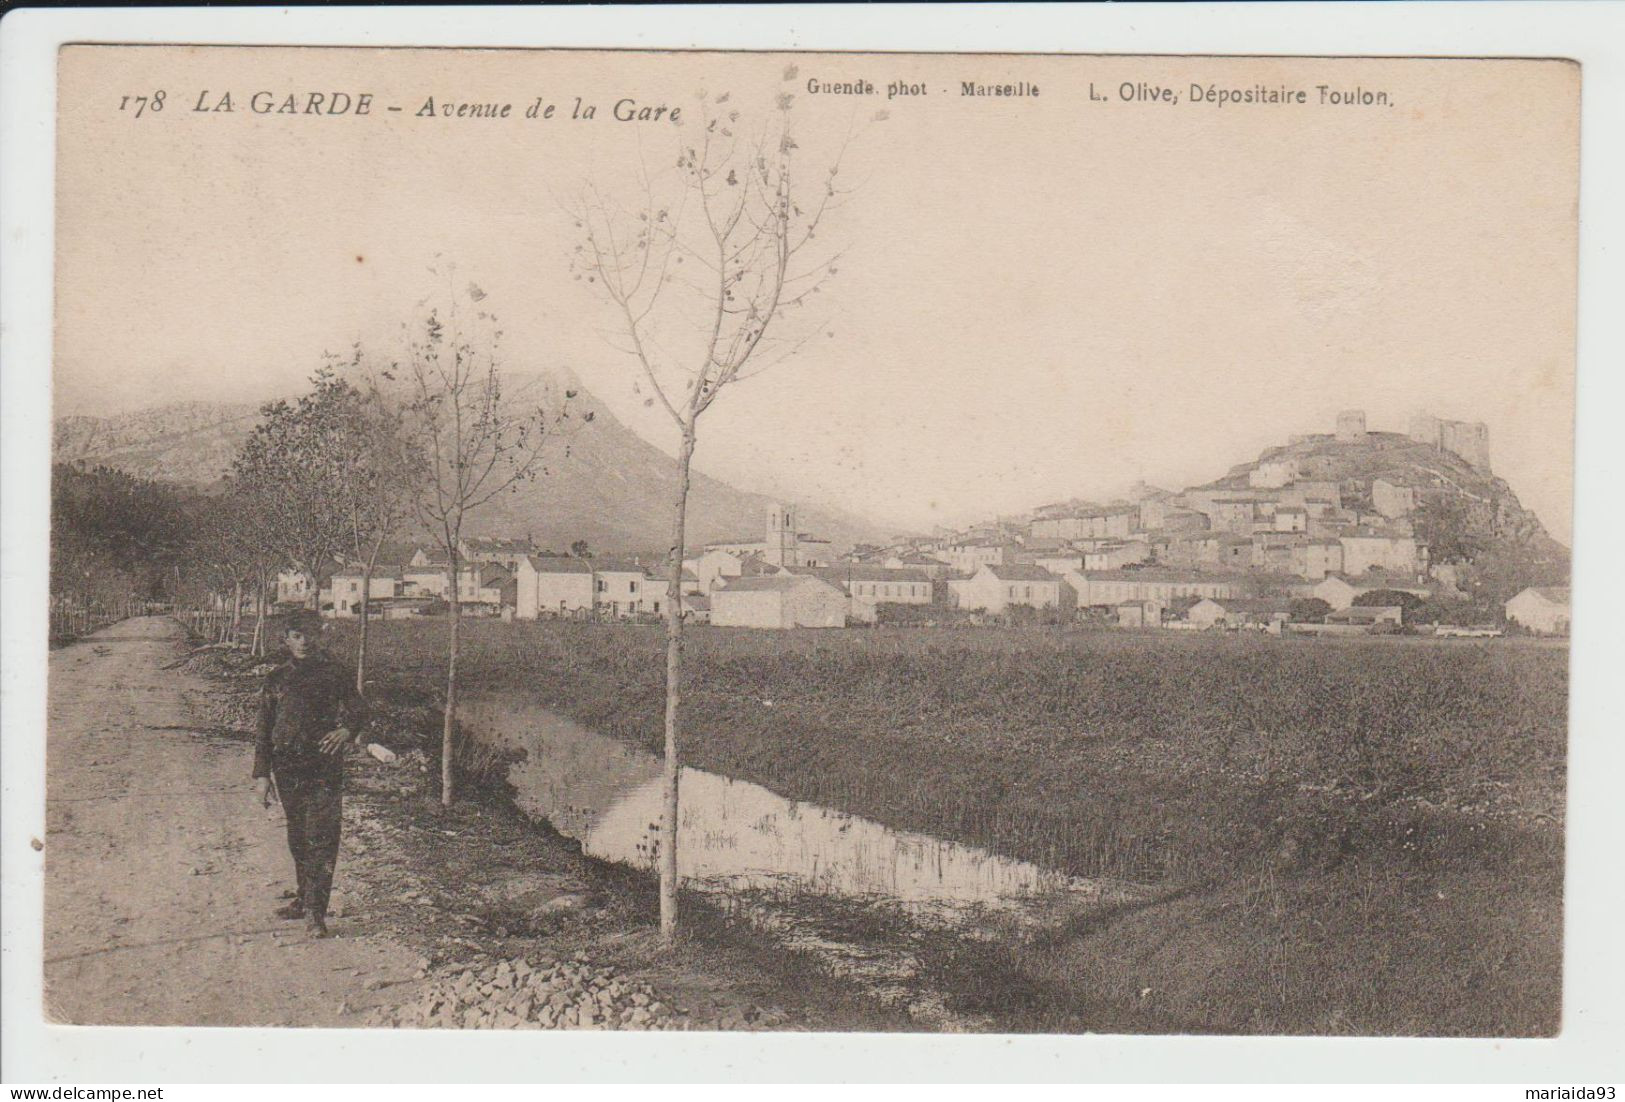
(303, 621)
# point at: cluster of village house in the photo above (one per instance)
(1203, 558)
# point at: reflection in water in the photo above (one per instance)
(736, 836)
(819, 881)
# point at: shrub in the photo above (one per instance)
(1310, 610)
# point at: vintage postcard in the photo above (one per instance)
(747, 541)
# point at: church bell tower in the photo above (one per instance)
(783, 542)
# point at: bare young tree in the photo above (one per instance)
(384, 472)
(698, 275)
(474, 446)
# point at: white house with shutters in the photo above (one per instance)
(385, 583)
(622, 589)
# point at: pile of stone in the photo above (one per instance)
(514, 994)
(415, 760)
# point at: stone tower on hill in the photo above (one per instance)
(1351, 426)
(1469, 440)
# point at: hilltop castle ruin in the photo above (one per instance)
(1468, 439)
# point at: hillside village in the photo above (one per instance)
(1324, 535)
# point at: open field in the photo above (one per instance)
(1357, 836)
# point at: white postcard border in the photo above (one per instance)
(1594, 1014)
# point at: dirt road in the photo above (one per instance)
(161, 872)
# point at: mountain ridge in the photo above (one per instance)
(605, 485)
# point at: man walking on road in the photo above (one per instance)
(309, 714)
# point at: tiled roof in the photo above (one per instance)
(1253, 604)
(1180, 576)
(1372, 581)
(1020, 572)
(855, 572)
(559, 564)
(920, 560)
(618, 566)
(377, 572)
(762, 584)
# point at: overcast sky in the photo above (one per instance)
(1037, 296)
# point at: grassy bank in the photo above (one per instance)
(1354, 835)
(476, 884)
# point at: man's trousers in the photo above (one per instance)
(313, 804)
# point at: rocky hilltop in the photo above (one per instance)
(1421, 508)
(606, 484)
(1433, 484)
(1441, 482)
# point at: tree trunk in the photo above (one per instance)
(361, 638)
(447, 745)
(366, 602)
(257, 644)
(236, 609)
(674, 694)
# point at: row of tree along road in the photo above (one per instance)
(699, 273)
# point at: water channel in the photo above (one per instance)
(765, 856)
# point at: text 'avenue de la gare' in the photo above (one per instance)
(361, 104)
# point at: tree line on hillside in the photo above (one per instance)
(118, 539)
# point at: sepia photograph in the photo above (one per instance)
(586, 539)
